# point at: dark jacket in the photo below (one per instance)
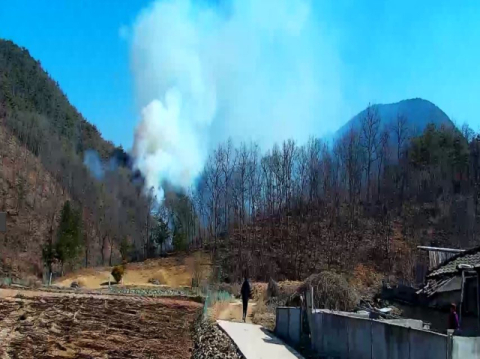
(453, 321)
(245, 291)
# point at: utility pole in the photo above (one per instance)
(477, 269)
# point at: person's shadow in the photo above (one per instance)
(272, 339)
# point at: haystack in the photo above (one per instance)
(331, 291)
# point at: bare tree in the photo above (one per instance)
(213, 184)
(370, 127)
(467, 132)
(227, 159)
(401, 132)
(351, 155)
(382, 157)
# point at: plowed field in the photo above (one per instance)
(37, 326)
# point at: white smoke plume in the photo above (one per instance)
(246, 69)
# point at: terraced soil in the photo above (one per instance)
(77, 326)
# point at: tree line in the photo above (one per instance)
(368, 198)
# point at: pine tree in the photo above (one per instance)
(68, 244)
(160, 233)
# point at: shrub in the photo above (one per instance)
(117, 273)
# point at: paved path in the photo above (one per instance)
(257, 343)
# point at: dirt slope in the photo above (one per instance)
(176, 271)
(32, 199)
(29, 195)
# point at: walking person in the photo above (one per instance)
(245, 292)
(453, 318)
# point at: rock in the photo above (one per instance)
(211, 342)
(154, 281)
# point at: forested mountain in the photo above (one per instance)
(397, 176)
(418, 113)
(52, 137)
(26, 87)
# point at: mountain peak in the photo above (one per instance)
(418, 112)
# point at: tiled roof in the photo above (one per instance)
(449, 267)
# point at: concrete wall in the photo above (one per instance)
(359, 332)
(343, 335)
(464, 347)
(389, 341)
(421, 342)
(288, 324)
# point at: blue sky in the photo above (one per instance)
(78, 43)
(388, 51)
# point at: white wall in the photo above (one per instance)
(464, 347)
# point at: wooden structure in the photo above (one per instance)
(437, 255)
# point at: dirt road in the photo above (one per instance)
(234, 311)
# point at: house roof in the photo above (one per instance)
(433, 285)
(449, 267)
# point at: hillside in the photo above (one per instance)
(417, 112)
(29, 195)
(26, 87)
(45, 140)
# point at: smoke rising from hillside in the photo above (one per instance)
(245, 69)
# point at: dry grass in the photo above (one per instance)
(158, 277)
(366, 281)
(81, 283)
(264, 314)
(259, 291)
(199, 267)
(219, 310)
(288, 288)
(176, 271)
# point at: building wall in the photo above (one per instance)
(437, 318)
(466, 347)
